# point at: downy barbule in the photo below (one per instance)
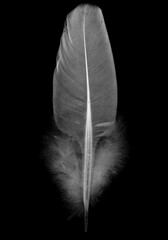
(87, 150)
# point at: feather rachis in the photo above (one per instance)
(88, 157)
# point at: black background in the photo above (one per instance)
(125, 208)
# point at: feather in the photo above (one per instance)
(84, 107)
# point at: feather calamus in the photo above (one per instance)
(85, 149)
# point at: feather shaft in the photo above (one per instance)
(88, 156)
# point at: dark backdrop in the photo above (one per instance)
(125, 207)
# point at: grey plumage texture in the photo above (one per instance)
(85, 107)
(70, 94)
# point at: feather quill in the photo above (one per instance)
(84, 106)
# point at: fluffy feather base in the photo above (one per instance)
(65, 161)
